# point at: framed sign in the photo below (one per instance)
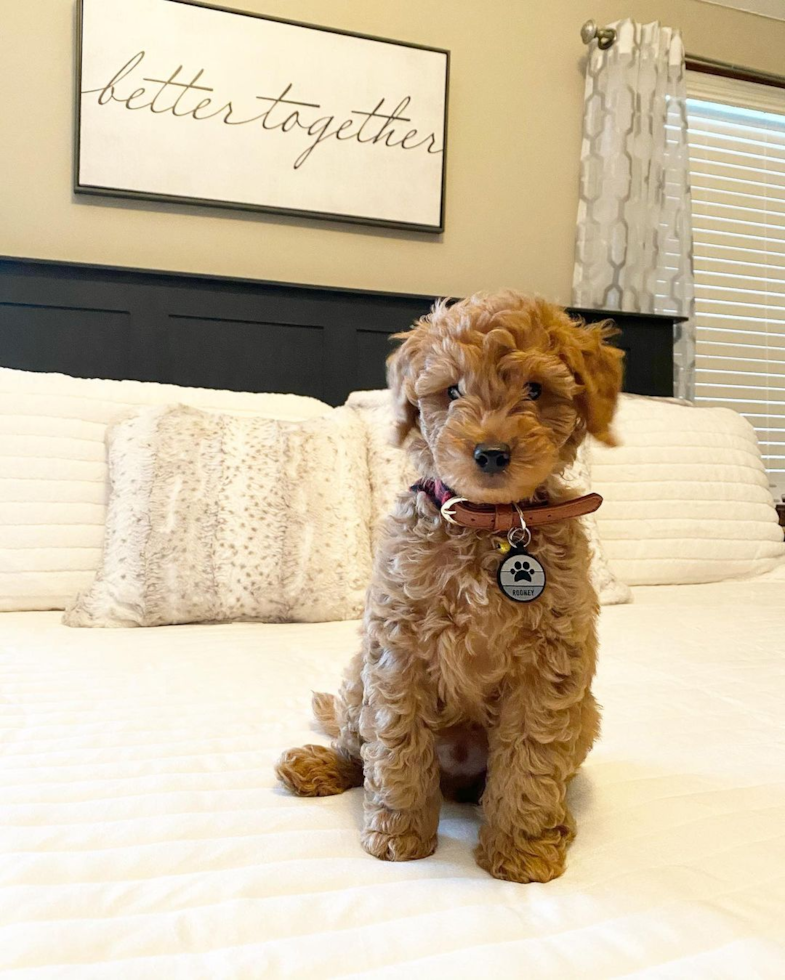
(180, 101)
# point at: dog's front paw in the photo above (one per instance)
(400, 835)
(523, 859)
(407, 846)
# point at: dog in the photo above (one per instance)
(460, 688)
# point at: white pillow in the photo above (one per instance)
(611, 591)
(686, 496)
(219, 517)
(391, 472)
(53, 483)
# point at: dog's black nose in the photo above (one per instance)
(492, 457)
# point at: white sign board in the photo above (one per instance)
(180, 101)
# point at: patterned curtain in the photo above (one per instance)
(634, 238)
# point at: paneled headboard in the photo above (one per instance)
(95, 321)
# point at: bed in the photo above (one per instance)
(144, 835)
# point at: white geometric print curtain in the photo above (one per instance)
(634, 237)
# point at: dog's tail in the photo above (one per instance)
(324, 709)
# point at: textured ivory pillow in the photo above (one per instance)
(53, 476)
(686, 494)
(218, 517)
(391, 472)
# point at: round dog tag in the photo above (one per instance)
(521, 577)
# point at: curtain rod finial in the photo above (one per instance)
(588, 32)
(605, 35)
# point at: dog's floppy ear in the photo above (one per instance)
(402, 369)
(597, 368)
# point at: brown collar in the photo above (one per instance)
(503, 517)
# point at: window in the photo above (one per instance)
(737, 162)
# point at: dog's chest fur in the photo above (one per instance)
(441, 587)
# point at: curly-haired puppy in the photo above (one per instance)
(457, 687)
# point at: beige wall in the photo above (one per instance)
(515, 119)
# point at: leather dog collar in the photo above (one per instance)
(503, 517)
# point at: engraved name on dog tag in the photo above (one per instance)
(521, 577)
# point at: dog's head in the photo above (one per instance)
(500, 391)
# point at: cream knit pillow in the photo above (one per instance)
(687, 497)
(217, 517)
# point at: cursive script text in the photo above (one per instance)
(184, 95)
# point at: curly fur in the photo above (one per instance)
(456, 688)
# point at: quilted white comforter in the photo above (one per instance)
(143, 835)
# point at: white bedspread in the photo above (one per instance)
(143, 834)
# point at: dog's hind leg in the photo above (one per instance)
(319, 770)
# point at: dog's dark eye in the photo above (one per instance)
(533, 390)
(453, 392)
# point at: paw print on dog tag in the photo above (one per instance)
(521, 577)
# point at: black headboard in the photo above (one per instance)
(95, 321)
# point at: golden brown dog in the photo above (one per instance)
(454, 680)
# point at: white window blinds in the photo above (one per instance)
(737, 162)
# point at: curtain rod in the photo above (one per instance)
(606, 37)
